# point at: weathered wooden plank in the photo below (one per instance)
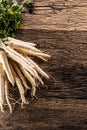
(57, 15)
(68, 63)
(62, 101)
(49, 114)
(61, 2)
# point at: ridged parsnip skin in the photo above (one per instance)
(27, 52)
(38, 77)
(19, 85)
(37, 68)
(24, 45)
(28, 76)
(21, 90)
(12, 69)
(33, 91)
(40, 55)
(18, 71)
(6, 95)
(2, 87)
(19, 42)
(20, 59)
(5, 63)
(44, 59)
(30, 79)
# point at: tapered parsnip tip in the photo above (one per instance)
(7, 94)
(41, 81)
(12, 83)
(10, 109)
(47, 76)
(2, 109)
(48, 55)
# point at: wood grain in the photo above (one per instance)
(62, 101)
(57, 15)
(58, 27)
(68, 63)
(49, 114)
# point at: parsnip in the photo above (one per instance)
(20, 59)
(20, 75)
(2, 87)
(44, 59)
(6, 95)
(33, 91)
(30, 79)
(19, 85)
(38, 77)
(19, 42)
(24, 45)
(37, 68)
(6, 66)
(31, 52)
(28, 76)
(21, 90)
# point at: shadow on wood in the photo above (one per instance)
(62, 101)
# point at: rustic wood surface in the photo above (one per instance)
(60, 31)
(57, 15)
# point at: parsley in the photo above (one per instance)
(10, 16)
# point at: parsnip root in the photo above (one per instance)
(2, 87)
(7, 96)
(6, 66)
(21, 75)
(18, 68)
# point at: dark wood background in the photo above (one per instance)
(58, 27)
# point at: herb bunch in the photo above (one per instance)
(10, 16)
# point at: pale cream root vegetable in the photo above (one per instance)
(30, 79)
(5, 63)
(21, 90)
(37, 68)
(2, 87)
(19, 85)
(19, 42)
(24, 45)
(31, 52)
(28, 76)
(21, 60)
(38, 77)
(19, 68)
(44, 59)
(20, 75)
(33, 91)
(7, 95)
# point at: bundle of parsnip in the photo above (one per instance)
(17, 66)
(18, 70)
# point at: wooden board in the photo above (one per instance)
(57, 15)
(62, 103)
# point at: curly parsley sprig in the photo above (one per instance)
(10, 16)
